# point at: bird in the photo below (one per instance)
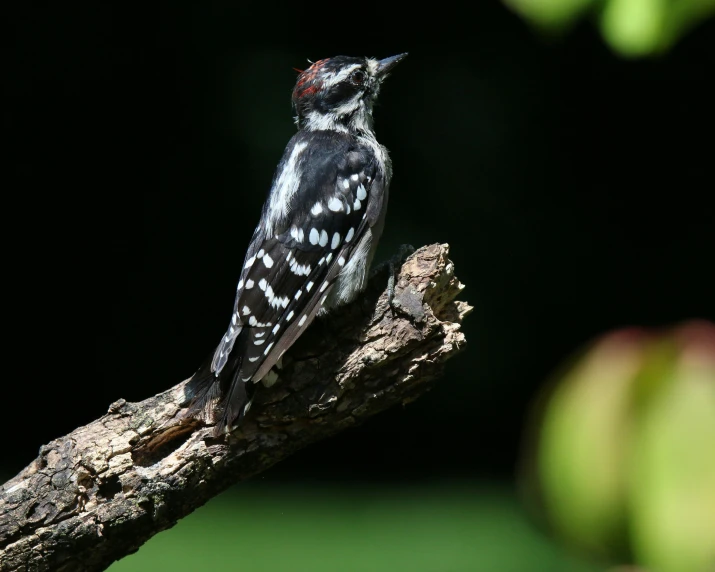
(316, 237)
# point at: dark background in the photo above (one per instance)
(573, 186)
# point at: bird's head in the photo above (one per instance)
(338, 93)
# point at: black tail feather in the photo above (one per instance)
(233, 404)
(222, 399)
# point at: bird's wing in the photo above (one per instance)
(289, 270)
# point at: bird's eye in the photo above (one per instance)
(357, 77)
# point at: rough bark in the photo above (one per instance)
(100, 492)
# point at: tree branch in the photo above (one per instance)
(100, 492)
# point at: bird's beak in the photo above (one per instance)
(384, 67)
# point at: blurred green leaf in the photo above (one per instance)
(635, 27)
(624, 465)
(632, 28)
(672, 488)
(551, 14)
(584, 441)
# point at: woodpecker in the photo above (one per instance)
(316, 237)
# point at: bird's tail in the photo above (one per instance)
(220, 397)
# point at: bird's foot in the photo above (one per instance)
(394, 264)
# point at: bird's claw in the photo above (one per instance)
(394, 264)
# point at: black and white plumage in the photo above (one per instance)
(318, 232)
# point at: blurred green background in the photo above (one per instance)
(561, 147)
(442, 526)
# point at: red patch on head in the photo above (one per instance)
(308, 90)
(308, 83)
